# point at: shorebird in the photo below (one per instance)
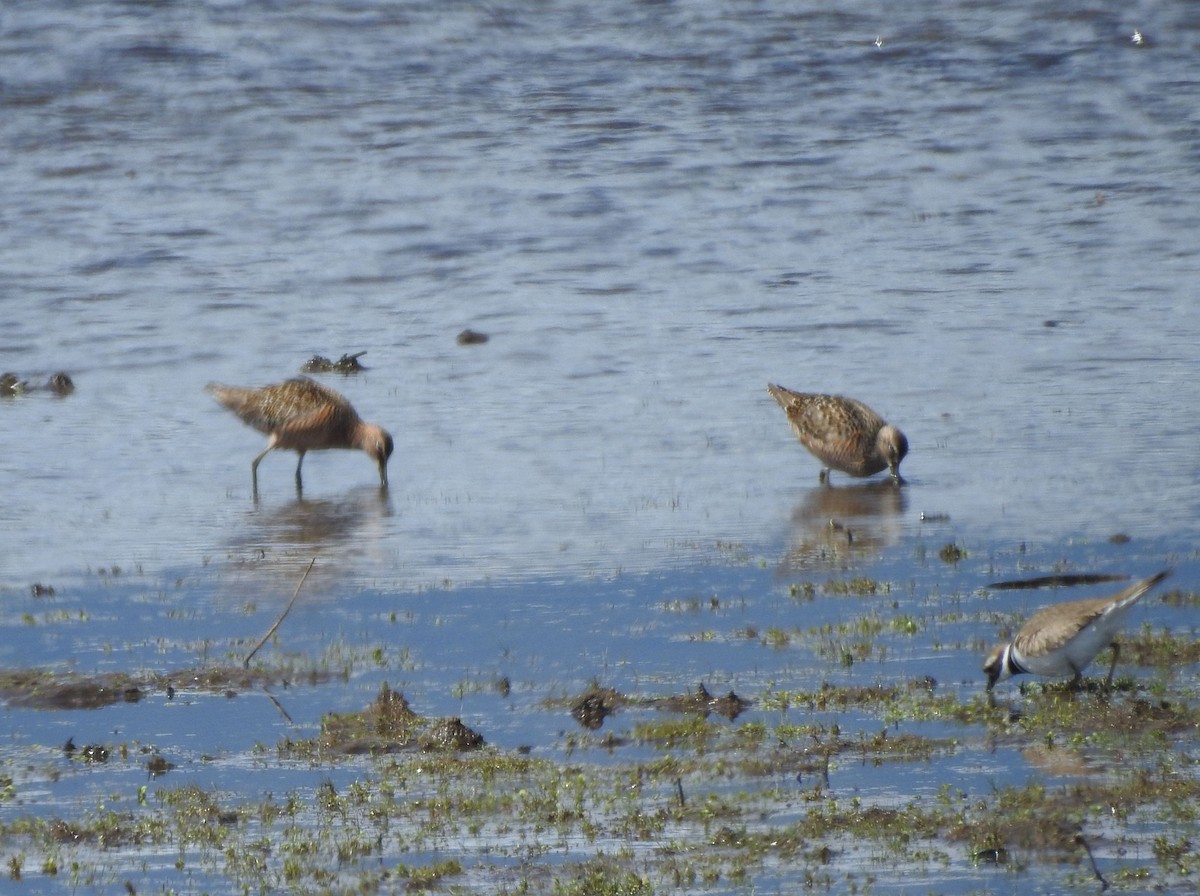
(842, 433)
(1064, 638)
(302, 415)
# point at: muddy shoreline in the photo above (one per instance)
(810, 766)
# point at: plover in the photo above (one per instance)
(1064, 638)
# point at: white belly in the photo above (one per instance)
(1072, 657)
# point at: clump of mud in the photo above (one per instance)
(41, 689)
(59, 384)
(594, 705)
(388, 725)
(345, 365)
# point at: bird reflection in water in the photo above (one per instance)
(346, 534)
(832, 525)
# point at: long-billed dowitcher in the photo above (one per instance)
(1064, 638)
(844, 434)
(302, 415)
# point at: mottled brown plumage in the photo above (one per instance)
(1063, 639)
(844, 434)
(302, 415)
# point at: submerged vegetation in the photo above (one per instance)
(713, 802)
(838, 786)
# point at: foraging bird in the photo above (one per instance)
(1064, 638)
(302, 415)
(842, 433)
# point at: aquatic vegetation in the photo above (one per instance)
(691, 817)
(951, 553)
(848, 777)
(859, 586)
(1159, 649)
(1177, 597)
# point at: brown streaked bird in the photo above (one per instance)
(1063, 639)
(842, 433)
(302, 415)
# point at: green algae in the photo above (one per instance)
(388, 725)
(665, 794)
(365, 836)
(860, 586)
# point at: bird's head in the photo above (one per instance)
(893, 445)
(995, 667)
(378, 443)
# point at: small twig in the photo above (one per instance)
(279, 706)
(679, 791)
(1082, 841)
(286, 610)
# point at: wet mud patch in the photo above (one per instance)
(801, 771)
(49, 690)
(1096, 715)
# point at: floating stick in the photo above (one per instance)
(286, 610)
(1082, 841)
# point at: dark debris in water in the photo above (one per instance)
(157, 765)
(451, 734)
(345, 365)
(1064, 580)
(592, 707)
(89, 753)
(11, 385)
(60, 831)
(95, 753)
(471, 337)
(701, 701)
(38, 689)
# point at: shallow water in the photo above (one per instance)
(982, 227)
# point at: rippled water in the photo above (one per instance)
(978, 218)
(982, 227)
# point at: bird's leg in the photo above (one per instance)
(1116, 650)
(1077, 681)
(824, 477)
(254, 469)
(299, 484)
